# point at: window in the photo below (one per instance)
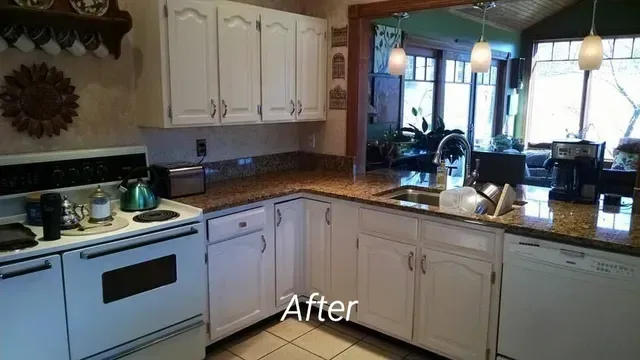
(601, 105)
(419, 90)
(457, 94)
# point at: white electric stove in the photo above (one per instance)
(134, 293)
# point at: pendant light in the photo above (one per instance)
(398, 57)
(591, 50)
(481, 53)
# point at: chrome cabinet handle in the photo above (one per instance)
(224, 104)
(293, 108)
(411, 261)
(327, 216)
(215, 108)
(264, 244)
(423, 264)
(279, 217)
(46, 266)
(299, 107)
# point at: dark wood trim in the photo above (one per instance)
(418, 41)
(357, 93)
(502, 83)
(387, 8)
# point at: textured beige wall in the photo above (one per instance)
(107, 106)
(331, 138)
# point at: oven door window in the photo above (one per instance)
(135, 279)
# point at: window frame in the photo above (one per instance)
(586, 81)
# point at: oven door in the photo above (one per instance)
(122, 291)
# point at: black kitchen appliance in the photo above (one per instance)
(577, 167)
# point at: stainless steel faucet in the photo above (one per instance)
(469, 176)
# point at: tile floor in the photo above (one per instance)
(295, 340)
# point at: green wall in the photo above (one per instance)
(442, 24)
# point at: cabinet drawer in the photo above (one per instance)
(395, 227)
(236, 224)
(479, 242)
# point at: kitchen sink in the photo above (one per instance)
(415, 196)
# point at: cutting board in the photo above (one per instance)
(507, 198)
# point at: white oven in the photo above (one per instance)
(136, 295)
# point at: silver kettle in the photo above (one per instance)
(70, 218)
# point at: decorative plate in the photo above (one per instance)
(90, 7)
(40, 100)
(35, 4)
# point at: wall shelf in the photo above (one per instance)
(112, 26)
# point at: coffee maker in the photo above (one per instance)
(577, 165)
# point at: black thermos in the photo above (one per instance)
(51, 207)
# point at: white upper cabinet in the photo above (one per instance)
(317, 221)
(193, 56)
(239, 62)
(454, 305)
(278, 66)
(289, 251)
(386, 283)
(311, 68)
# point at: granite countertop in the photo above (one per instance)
(575, 224)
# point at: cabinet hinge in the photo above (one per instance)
(487, 354)
(357, 247)
(493, 277)
(259, 108)
(206, 258)
(170, 112)
(166, 11)
(208, 328)
(258, 25)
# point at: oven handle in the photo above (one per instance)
(46, 266)
(157, 341)
(89, 256)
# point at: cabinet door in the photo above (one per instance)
(453, 309)
(193, 62)
(239, 62)
(311, 69)
(343, 271)
(34, 323)
(317, 222)
(386, 282)
(289, 251)
(278, 66)
(238, 283)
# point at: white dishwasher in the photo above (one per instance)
(568, 303)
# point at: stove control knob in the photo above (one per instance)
(87, 173)
(74, 175)
(57, 176)
(102, 171)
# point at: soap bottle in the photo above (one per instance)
(441, 176)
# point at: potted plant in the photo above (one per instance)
(428, 141)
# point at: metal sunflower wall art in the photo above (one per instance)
(40, 100)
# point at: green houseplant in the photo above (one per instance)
(428, 141)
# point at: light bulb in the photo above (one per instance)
(481, 57)
(397, 61)
(591, 53)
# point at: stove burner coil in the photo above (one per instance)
(155, 216)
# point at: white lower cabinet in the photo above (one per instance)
(317, 235)
(31, 292)
(238, 283)
(289, 251)
(453, 304)
(343, 267)
(386, 282)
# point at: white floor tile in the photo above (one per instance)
(291, 352)
(366, 351)
(257, 346)
(291, 328)
(325, 342)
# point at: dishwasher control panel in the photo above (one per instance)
(609, 267)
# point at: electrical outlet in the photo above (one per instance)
(311, 141)
(201, 147)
